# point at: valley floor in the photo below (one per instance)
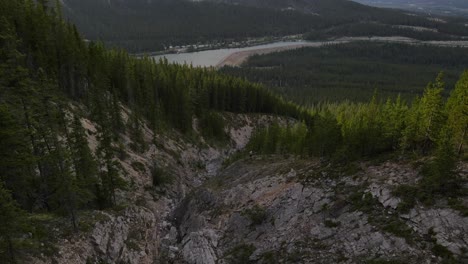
(239, 57)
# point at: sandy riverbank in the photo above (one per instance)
(237, 58)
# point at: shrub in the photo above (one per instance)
(138, 166)
(212, 126)
(160, 176)
(240, 254)
(331, 224)
(442, 252)
(256, 214)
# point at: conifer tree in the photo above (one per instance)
(432, 111)
(425, 119)
(136, 132)
(325, 136)
(84, 163)
(15, 158)
(79, 178)
(440, 177)
(457, 112)
(13, 225)
(393, 121)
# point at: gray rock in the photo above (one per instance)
(199, 247)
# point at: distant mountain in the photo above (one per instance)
(441, 7)
(150, 25)
(317, 7)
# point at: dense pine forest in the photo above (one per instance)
(360, 29)
(185, 22)
(347, 131)
(452, 8)
(135, 25)
(430, 126)
(353, 71)
(51, 79)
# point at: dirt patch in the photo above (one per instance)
(237, 58)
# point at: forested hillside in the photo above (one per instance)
(156, 25)
(353, 71)
(355, 130)
(140, 25)
(442, 7)
(428, 127)
(54, 86)
(50, 79)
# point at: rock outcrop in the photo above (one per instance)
(261, 209)
(277, 210)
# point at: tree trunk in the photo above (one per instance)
(73, 219)
(36, 151)
(460, 146)
(11, 251)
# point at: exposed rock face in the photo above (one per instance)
(114, 238)
(261, 210)
(141, 233)
(451, 229)
(291, 214)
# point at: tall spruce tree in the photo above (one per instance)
(425, 119)
(457, 112)
(13, 225)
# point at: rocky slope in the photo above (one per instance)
(280, 210)
(132, 232)
(260, 209)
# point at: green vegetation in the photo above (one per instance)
(331, 224)
(444, 253)
(53, 84)
(13, 223)
(398, 227)
(437, 130)
(280, 140)
(364, 202)
(235, 157)
(240, 254)
(141, 25)
(270, 257)
(379, 217)
(377, 29)
(212, 126)
(257, 214)
(409, 195)
(138, 166)
(353, 71)
(160, 176)
(457, 204)
(439, 250)
(350, 131)
(385, 261)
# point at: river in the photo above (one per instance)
(210, 58)
(235, 56)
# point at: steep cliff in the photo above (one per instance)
(287, 210)
(136, 230)
(260, 209)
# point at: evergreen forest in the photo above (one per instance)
(52, 81)
(190, 22)
(353, 71)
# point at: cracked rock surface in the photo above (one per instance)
(277, 210)
(262, 209)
